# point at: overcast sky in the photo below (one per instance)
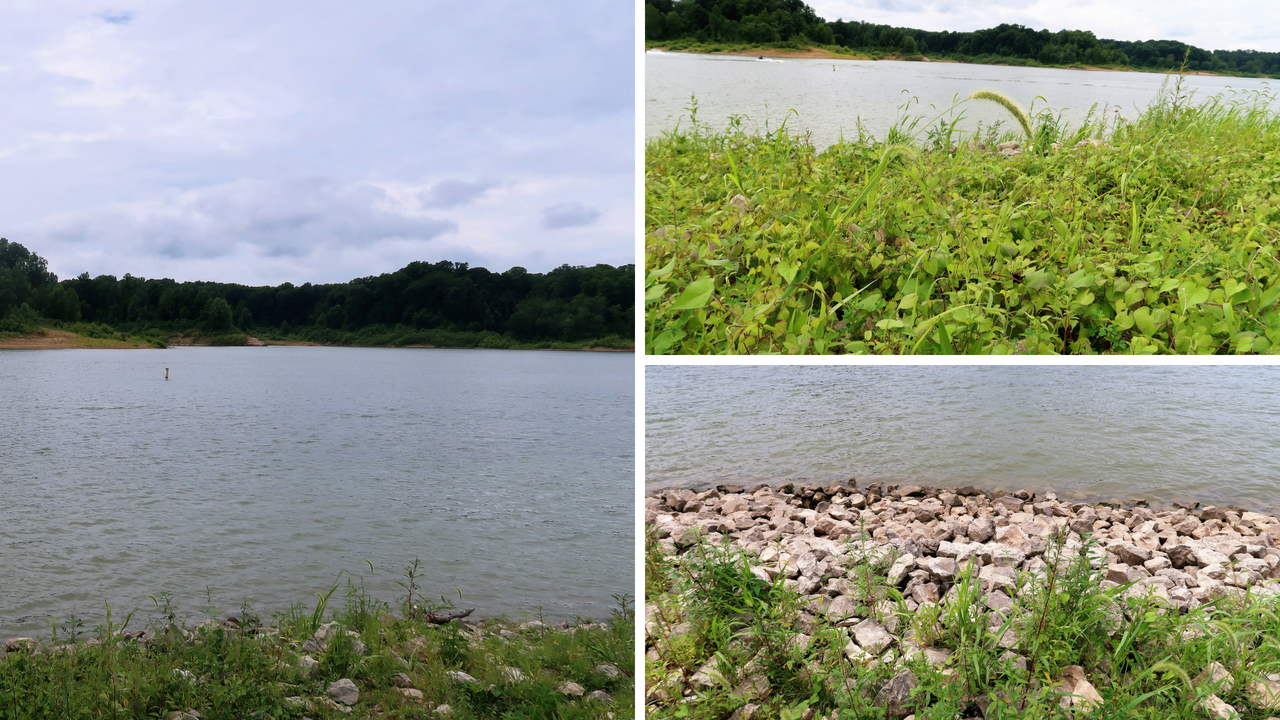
(1218, 25)
(259, 142)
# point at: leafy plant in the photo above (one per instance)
(1155, 235)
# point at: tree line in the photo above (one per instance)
(422, 300)
(794, 23)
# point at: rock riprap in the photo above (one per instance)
(1186, 557)
(924, 541)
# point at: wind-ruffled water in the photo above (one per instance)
(831, 96)
(1165, 434)
(260, 473)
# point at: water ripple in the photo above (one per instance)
(262, 473)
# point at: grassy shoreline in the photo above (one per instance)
(420, 662)
(889, 601)
(1156, 235)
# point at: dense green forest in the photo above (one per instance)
(444, 303)
(792, 22)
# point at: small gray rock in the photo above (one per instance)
(871, 636)
(895, 696)
(308, 664)
(343, 691)
(571, 688)
(1132, 554)
(461, 677)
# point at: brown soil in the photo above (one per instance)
(808, 53)
(63, 340)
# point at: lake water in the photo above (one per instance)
(1166, 434)
(260, 473)
(831, 96)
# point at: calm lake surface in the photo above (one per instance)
(831, 96)
(1166, 434)
(260, 473)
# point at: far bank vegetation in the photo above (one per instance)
(719, 25)
(441, 304)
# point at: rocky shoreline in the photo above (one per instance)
(925, 540)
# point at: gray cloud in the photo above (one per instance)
(287, 219)
(455, 193)
(569, 214)
(175, 146)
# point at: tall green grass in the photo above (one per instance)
(1151, 235)
(247, 668)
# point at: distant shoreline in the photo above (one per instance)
(812, 53)
(50, 339)
(817, 53)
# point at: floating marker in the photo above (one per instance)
(166, 373)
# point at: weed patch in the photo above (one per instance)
(402, 665)
(839, 603)
(1156, 235)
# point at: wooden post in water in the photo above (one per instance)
(166, 373)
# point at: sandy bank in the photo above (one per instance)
(63, 340)
(807, 53)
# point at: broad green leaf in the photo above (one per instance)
(1063, 231)
(1079, 279)
(695, 295)
(1086, 298)
(1269, 297)
(662, 343)
(1170, 284)
(788, 271)
(661, 272)
(1244, 343)
(1142, 318)
(870, 302)
(908, 301)
(1197, 296)
(655, 293)
(1039, 279)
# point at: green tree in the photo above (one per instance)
(216, 316)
